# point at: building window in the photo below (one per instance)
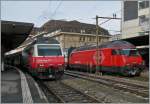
(80, 39)
(99, 39)
(83, 38)
(82, 31)
(143, 4)
(93, 38)
(90, 38)
(143, 20)
(130, 10)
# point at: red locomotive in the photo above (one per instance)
(115, 57)
(43, 58)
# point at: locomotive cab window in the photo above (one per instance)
(134, 53)
(130, 52)
(127, 52)
(115, 52)
(49, 50)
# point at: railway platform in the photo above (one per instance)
(19, 87)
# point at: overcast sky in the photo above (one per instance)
(38, 12)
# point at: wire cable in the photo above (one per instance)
(54, 13)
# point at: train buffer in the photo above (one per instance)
(17, 87)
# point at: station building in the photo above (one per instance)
(72, 33)
(72, 39)
(135, 18)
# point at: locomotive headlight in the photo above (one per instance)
(59, 64)
(41, 65)
(127, 64)
(134, 62)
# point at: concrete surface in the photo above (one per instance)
(19, 87)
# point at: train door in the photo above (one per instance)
(30, 55)
(114, 59)
(27, 55)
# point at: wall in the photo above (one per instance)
(131, 27)
(76, 40)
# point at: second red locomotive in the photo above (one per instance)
(115, 57)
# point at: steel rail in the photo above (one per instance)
(117, 80)
(133, 88)
(68, 94)
(52, 98)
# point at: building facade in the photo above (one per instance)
(135, 18)
(68, 26)
(115, 37)
(71, 39)
(72, 33)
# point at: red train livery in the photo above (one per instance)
(43, 58)
(115, 57)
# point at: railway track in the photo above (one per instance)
(50, 96)
(117, 84)
(67, 94)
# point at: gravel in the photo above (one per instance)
(101, 92)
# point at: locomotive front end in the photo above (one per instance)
(48, 61)
(134, 63)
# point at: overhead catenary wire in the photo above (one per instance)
(60, 3)
(54, 13)
(78, 19)
(110, 19)
(104, 21)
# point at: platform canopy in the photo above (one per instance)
(139, 40)
(13, 34)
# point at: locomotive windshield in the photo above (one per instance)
(128, 52)
(49, 50)
(131, 52)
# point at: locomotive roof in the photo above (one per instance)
(112, 44)
(43, 40)
(39, 40)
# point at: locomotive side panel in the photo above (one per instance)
(116, 56)
(81, 59)
(105, 57)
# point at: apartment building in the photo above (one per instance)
(135, 18)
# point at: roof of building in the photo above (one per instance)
(70, 26)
